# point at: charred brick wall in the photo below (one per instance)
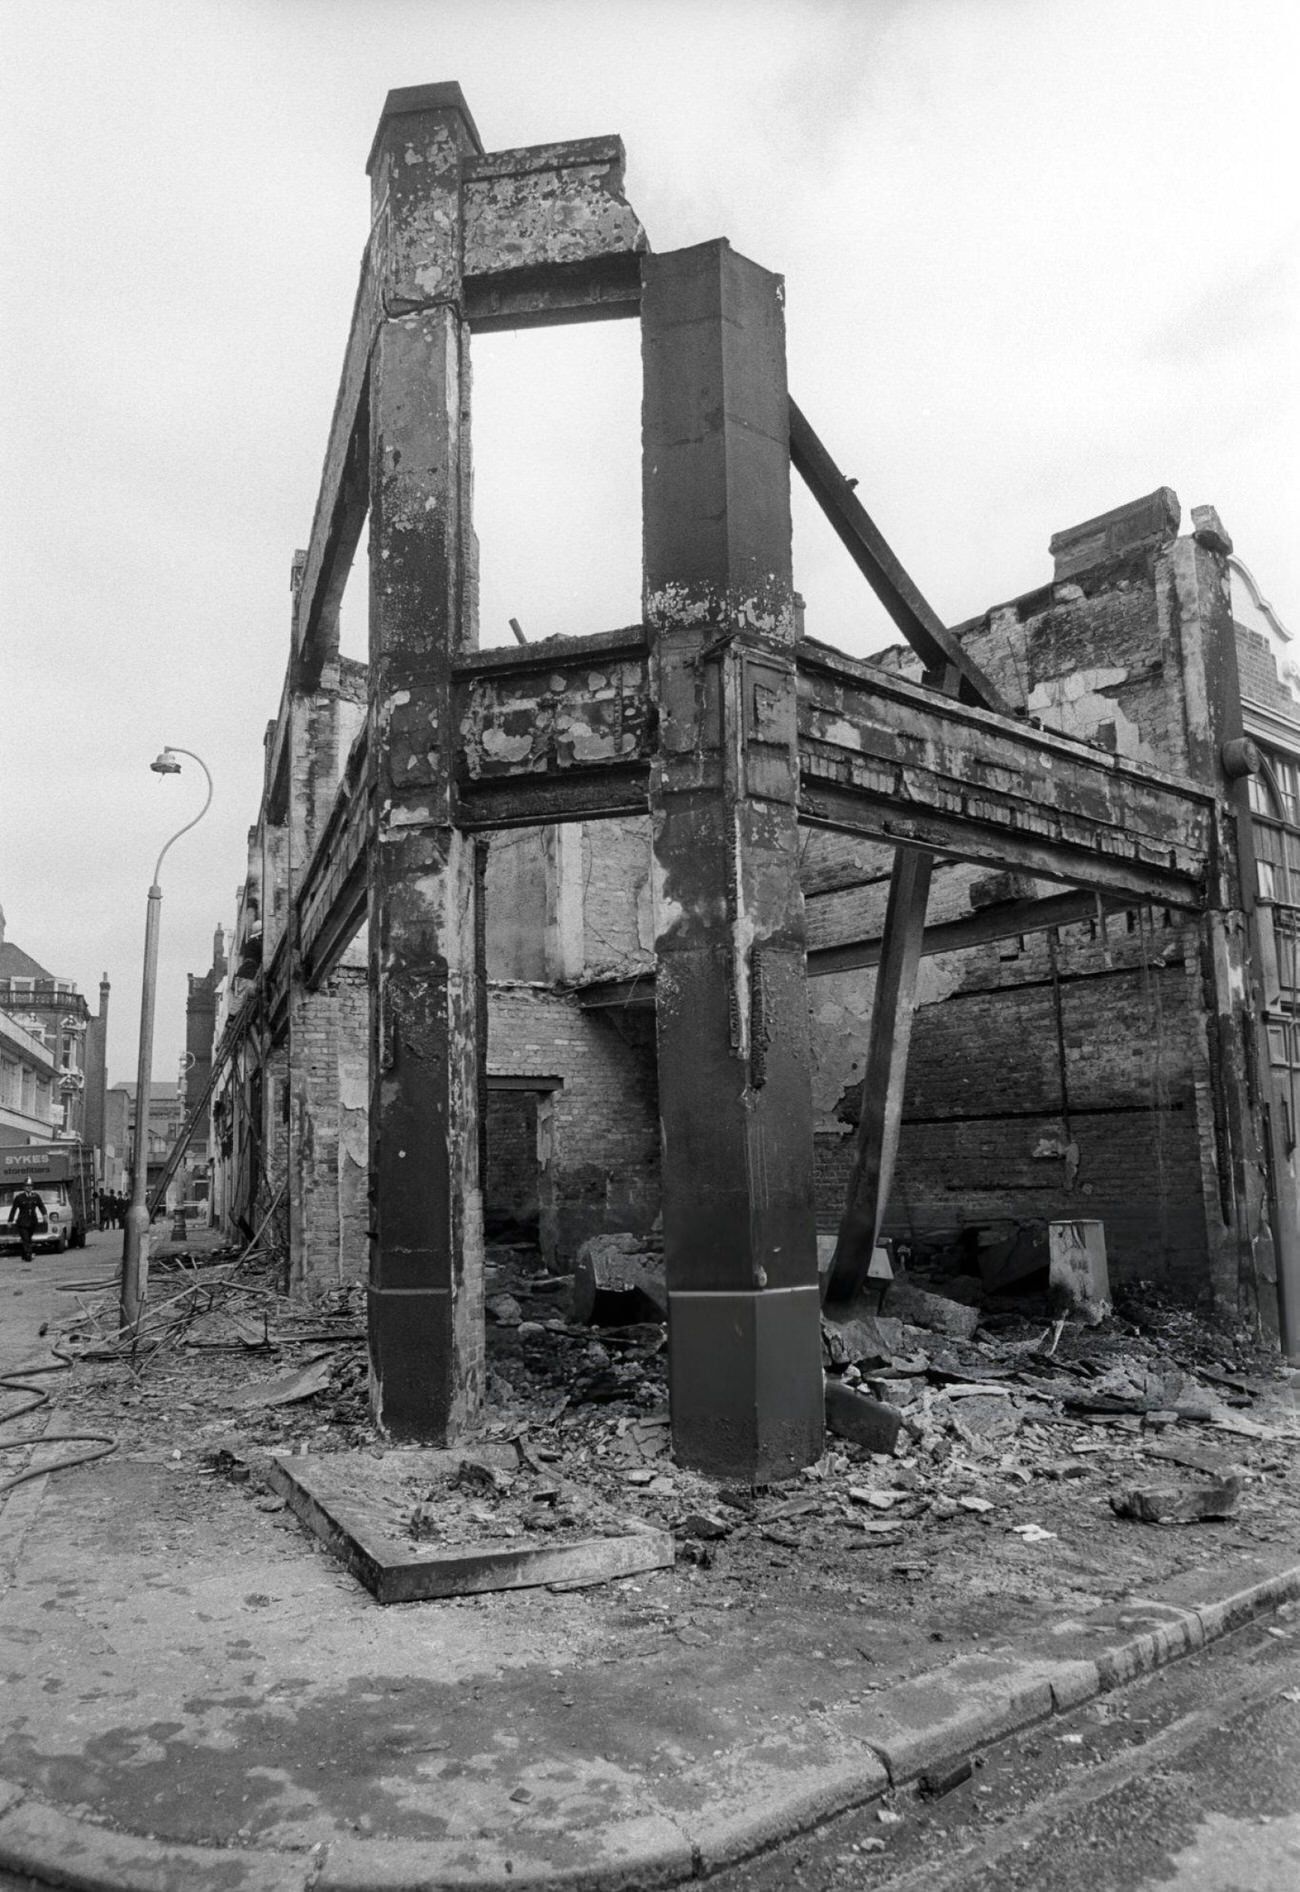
(1068, 1074)
(1050, 1079)
(511, 1195)
(604, 1122)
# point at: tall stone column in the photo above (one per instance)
(731, 1007)
(1193, 582)
(426, 1242)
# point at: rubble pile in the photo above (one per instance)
(977, 1452)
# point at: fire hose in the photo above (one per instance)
(14, 1380)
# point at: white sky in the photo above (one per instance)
(1040, 258)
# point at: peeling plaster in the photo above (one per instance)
(1079, 703)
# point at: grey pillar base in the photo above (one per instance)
(411, 1358)
(745, 1373)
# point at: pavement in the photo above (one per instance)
(196, 1695)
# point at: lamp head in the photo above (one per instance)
(165, 764)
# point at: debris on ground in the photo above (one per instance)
(999, 1451)
(1170, 1504)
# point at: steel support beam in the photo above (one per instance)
(939, 650)
(893, 1007)
(887, 758)
(731, 1010)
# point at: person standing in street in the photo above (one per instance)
(28, 1211)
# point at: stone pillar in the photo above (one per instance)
(1193, 577)
(426, 1239)
(731, 1007)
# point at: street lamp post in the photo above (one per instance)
(135, 1247)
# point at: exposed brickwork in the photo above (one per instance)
(618, 922)
(985, 1136)
(605, 1123)
(510, 1191)
(1259, 679)
(351, 991)
(997, 1095)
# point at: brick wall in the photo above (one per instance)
(1032, 1099)
(1038, 1092)
(1257, 665)
(511, 1198)
(604, 1122)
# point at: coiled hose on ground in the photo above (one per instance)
(15, 1381)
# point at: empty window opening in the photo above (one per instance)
(354, 606)
(557, 480)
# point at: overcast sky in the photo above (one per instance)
(1040, 258)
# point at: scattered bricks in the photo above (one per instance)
(505, 1310)
(1171, 1504)
(935, 1311)
(860, 1419)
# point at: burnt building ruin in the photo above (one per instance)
(639, 928)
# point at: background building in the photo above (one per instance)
(54, 1014)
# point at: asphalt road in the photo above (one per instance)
(1188, 1781)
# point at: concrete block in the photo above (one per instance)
(334, 1496)
(861, 1419)
(1173, 1504)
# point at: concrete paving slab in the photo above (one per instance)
(643, 1850)
(757, 1806)
(340, 1498)
(79, 1854)
(209, 1700)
